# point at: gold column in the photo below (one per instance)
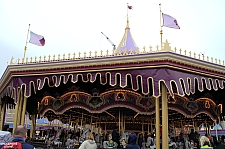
(32, 126)
(24, 110)
(157, 122)
(16, 111)
(20, 101)
(0, 114)
(164, 117)
(119, 122)
(3, 109)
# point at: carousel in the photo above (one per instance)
(139, 90)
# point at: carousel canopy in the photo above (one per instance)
(126, 80)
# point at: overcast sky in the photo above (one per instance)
(75, 25)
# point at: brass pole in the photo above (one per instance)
(3, 115)
(119, 122)
(161, 31)
(164, 117)
(157, 123)
(25, 48)
(124, 124)
(16, 111)
(20, 108)
(24, 110)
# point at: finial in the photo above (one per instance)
(69, 56)
(199, 56)
(194, 55)
(90, 54)
(40, 59)
(85, 55)
(101, 53)
(219, 61)
(58, 57)
(157, 48)
(180, 51)
(175, 50)
(190, 53)
(211, 59)
(54, 57)
(31, 60)
(18, 60)
(207, 58)
(49, 58)
(27, 60)
(150, 49)
(203, 56)
(64, 56)
(223, 62)
(185, 52)
(79, 55)
(216, 60)
(107, 52)
(44, 58)
(125, 52)
(74, 55)
(11, 61)
(113, 52)
(144, 50)
(119, 53)
(138, 50)
(166, 47)
(96, 54)
(23, 60)
(35, 59)
(131, 51)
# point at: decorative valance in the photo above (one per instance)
(185, 83)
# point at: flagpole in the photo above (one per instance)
(161, 31)
(25, 48)
(127, 11)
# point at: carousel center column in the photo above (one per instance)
(165, 144)
(157, 122)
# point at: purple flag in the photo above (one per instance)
(37, 39)
(169, 21)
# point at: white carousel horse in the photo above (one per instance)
(83, 136)
(150, 143)
(171, 143)
(69, 143)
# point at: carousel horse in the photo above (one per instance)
(171, 143)
(97, 139)
(110, 143)
(83, 136)
(124, 139)
(69, 143)
(150, 143)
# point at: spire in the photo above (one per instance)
(127, 43)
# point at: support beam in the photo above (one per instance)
(20, 101)
(24, 110)
(164, 117)
(3, 109)
(157, 122)
(32, 126)
(16, 111)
